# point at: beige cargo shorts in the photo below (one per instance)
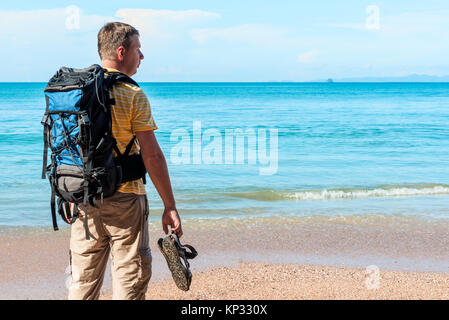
(119, 227)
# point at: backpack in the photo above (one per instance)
(78, 130)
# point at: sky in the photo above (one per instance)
(232, 40)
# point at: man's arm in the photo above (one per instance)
(156, 166)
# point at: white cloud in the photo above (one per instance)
(184, 16)
(163, 24)
(405, 23)
(57, 36)
(49, 23)
(307, 57)
(355, 26)
(43, 40)
(416, 22)
(183, 43)
(256, 34)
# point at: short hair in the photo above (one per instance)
(112, 36)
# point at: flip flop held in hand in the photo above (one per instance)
(175, 254)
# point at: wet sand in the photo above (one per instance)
(257, 258)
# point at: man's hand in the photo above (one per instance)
(171, 218)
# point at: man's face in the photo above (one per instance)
(132, 57)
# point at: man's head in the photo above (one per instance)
(119, 47)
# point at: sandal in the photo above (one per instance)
(173, 250)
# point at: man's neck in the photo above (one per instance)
(111, 64)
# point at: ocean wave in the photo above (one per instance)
(344, 193)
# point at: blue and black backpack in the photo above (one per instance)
(78, 130)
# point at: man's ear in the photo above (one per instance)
(120, 53)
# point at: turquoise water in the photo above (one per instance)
(343, 149)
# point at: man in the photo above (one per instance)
(119, 226)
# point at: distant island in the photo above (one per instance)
(409, 78)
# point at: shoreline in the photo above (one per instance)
(35, 261)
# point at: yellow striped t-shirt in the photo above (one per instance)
(130, 114)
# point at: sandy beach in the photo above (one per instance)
(257, 259)
(262, 281)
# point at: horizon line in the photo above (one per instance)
(281, 81)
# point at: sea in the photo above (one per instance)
(353, 152)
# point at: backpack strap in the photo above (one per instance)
(44, 160)
(86, 225)
(53, 209)
(113, 77)
(127, 150)
(129, 146)
(53, 201)
(109, 79)
(121, 156)
(46, 122)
